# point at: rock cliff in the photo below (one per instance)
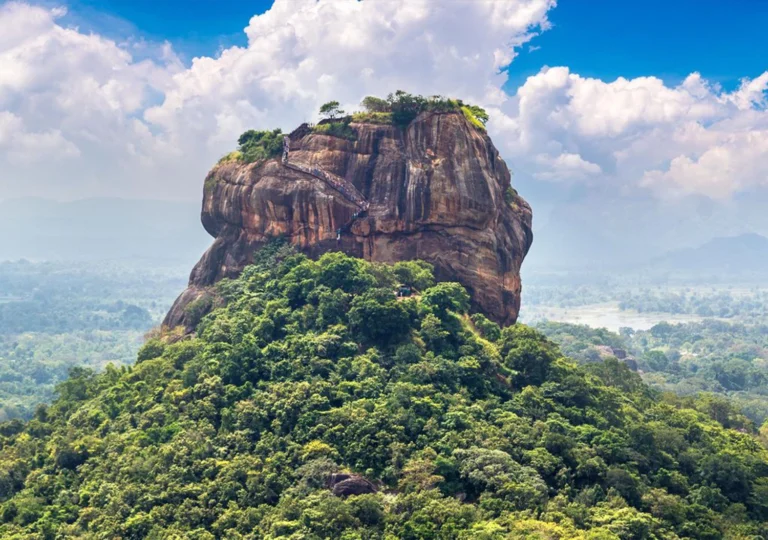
(436, 190)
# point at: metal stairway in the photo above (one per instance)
(349, 191)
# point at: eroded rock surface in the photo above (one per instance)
(435, 191)
(344, 485)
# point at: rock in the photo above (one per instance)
(605, 351)
(436, 190)
(631, 363)
(344, 485)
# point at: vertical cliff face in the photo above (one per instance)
(435, 190)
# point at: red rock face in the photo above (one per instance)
(435, 191)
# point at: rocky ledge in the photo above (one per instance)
(435, 190)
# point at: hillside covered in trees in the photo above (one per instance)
(448, 425)
(713, 357)
(58, 315)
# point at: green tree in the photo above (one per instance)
(375, 105)
(528, 353)
(260, 145)
(479, 113)
(313, 403)
(445, 297)
(331, 110)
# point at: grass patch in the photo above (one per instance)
(373, 118)
(469, 115)
(234, 156)
(336, 129)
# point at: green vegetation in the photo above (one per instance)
(331, 110)
(337, 129)
(56, 316)
(315, 367)
(509, 195)
(372, 117)
(210, 180)
(722, 303)
(687, 359)
(399, 108)
(477, 116)
(402, 107)
(260, 145)
(234, 156)
(253, 146)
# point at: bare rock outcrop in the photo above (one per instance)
(436, 190)
(344, 485)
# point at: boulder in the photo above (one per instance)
(344, 485)
(435, 190)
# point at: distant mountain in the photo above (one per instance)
(733, 255)
(611, 229)
(98, 229)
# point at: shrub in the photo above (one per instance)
(210, 182)
(401, 108)
(260, 145)
(405, 107)
(373, 104)
(373, 117)
(336, 129)
(487, 328)
(476, 116)
(234, 156)
(509, 195)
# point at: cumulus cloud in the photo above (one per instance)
(70, 105)
(153, 127)
(81, 115)
(302, 53)
(688, 139)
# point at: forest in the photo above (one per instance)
(711, 357)
(59, 315)
(747, 303)
(456, 428)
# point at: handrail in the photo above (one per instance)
(336, 182)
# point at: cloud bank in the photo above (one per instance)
(692, 139)
(82, 115)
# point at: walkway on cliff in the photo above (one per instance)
(336, 182)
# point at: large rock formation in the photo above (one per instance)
(436, 190)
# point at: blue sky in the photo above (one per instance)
(666, 38)
(637, 153)
(596, 38)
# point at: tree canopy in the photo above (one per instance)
(258, 145)
(331, 110)
(315, 367)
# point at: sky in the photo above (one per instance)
(633, 117)
(597, 38)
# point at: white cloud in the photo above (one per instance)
(689, 139)
(734, 163)
(81, 116)
(152, 128)
(69, 104)
(302, 53)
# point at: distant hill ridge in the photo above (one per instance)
(745, 253)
